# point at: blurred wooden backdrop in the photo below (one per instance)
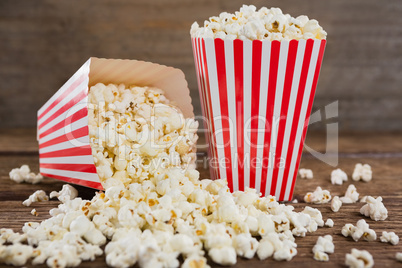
(43, 42)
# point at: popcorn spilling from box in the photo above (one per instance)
(154, 207)
(264, 24)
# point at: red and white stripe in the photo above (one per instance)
(266, 89)
(64, 147)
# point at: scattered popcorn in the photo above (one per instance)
(338, 176)
(8, 236)
(362, 172)
(38, 196)
(305, 173)
(360, 230)
(319, 196)
(351, 195)
(390, 237)
(359, 258)
(264, 24)
(295, 201)
(329, 223)
(398, 256)
(24, 174)
(67, 192)
(336, 204)
(34, 212)
(15, 254)
(323, 246)
(374, 208)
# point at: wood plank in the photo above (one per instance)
(386, 182)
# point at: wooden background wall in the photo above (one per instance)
(43, 42)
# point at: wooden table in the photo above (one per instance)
(382, 151)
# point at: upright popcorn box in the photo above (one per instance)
(64, 145)
(257, 98)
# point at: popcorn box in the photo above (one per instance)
(257, 98)
(64, 145)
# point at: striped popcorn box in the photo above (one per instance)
(64, 145)
(256, 99)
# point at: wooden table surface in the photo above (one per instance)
(382, 151)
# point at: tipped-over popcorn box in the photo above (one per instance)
(63, 133)
(257, 98)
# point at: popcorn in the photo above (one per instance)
(360, 230)
(223, 256)
(305, 173)
(24, 174)
(359, 258)
(16, 254)
(34, 212)
(351, 195)
(329, 223)
(264, 24)
(362, 172)
(390, 237)
(38, 196)
(245, 245)
(374, 209)
(67, 192)
(336, 204)
(154, 207)
(319, 196)
(398, 256)
(338, 176)
(323, 245)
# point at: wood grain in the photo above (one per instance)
(386, 182)
(43, 42)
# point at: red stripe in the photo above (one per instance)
(87, 168)
(296, 117)
(200, 90)
(66, 106)
(75, 134)
(71, 119)
(239, 84)
(255, 100)
(273, 75)
(221, 71)
(310, 104)
(204, 102)
(287, 89)
(76, 151)
(211, 113)
(91, 184)
(64, 94)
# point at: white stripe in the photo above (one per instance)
(248, 66)
(74, 126)
(83, 141)
(283, 55)
(63, 117)
(231, 95)
(306, 97)
(81, 159)
(72, 174)
(72, 95)
(213, 81)
(265, 62)
(291, 111)
(83, 70)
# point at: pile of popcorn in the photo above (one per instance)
(264, 24)
(155, 208)
(135, 133)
